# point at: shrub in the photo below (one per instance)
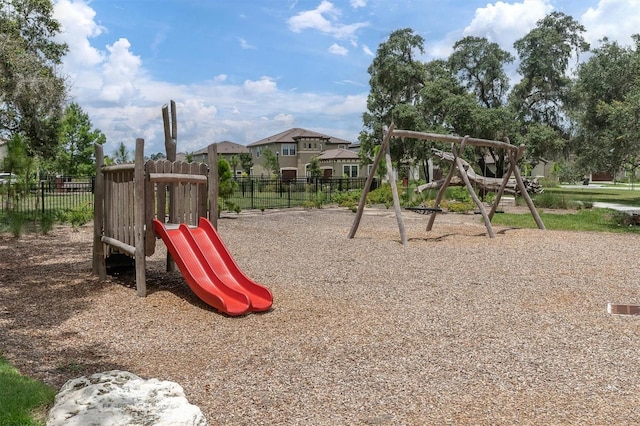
(46, 222)
(80, 215)
(555, 201)
(17, 222)
(456, 206)
(381, 195)
(347, 198)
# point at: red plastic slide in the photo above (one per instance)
(210, 271)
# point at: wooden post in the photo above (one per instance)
(212, 154)
(367, 185)
(525, 195)
(171, 147)
(99, 265)
(139, 182)
(394, 193)
(472, 192)
(440, 195)
(505, 180)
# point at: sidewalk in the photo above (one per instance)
(618, 207)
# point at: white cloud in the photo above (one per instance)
(324, 19)
(358, 3)
(245, 45)
(338, 50)
(262, 86)
(500, 22)
(504, 23)
(616, 19)
(287, 120)
(120, 72)
(367, 51)
(78, 25)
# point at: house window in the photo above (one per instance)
(350, 170)
(342, 147)
(288, 149)
(258, 152)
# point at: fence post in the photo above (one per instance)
(42, 195)
(252, 187)
(289, 200)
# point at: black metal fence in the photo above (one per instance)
(259, 193)
(52, 195)
(64, 194)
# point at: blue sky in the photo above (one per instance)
(242, 70)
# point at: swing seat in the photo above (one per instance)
(424, 210)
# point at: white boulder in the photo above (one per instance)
(122, 398)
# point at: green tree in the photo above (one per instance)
(75, 154)
(158, 156)
(234, 162)
(543, 94)
(225, 181)
(314, 168)
(17, 161)
(246, 162)
(121, 155)
(270, 161)
(479, 66)
(32, 96)
(608, 90)
(396, 82)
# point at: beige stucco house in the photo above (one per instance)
(296, 147)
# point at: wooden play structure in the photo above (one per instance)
(129, 196)
(459, 166)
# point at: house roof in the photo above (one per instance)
(225, 147)
(338, 154)
(295, 135)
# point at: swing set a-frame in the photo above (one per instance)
(513, 153)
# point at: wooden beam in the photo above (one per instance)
(177, 178)
(129, 249)
(367, 185)
(138, 223)
(453, 139)
(394, 192)
(212, 154)
(99, 266)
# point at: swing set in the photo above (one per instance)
(513, 154)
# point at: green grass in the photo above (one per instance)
(595, 220)
(603, 195)
(22, 400)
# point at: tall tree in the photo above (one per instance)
(31, 94)
(480, 68)
(479, 65)
(397, 78)
(270, 161)
(542, 96)
(121, 155)
(76, 153)
(314, 168)
(246, 162)
(608, 90)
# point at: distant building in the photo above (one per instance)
(226, 149)
(294, 149)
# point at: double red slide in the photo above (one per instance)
(210, 271)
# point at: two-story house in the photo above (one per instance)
(294, 149)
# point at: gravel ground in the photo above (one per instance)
(453, 328)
